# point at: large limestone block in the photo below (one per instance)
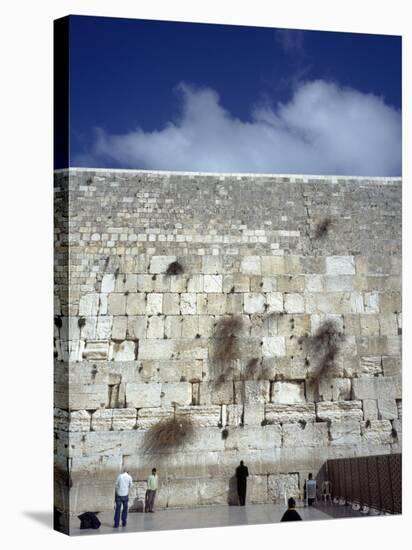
(155, 327)
(257, 489)
(216, 304)
(136, 327)
(288, 392)
(104, 327)
(108, 282)
(241, 282)
(251, 265)
(339, 410)
(157, 349)
(294, 303)
(254, 302)
(123, 351)
(388, 409)
(273, 346)
(188, 303)
(159, 264)
(87, 396)
(213, 283)
(171, 303)
(89, 304)
(274, 301)
(136, 304)
(180, 371)
(154, 304)
(124, 419)
(203, 416)
(340, 265)
(96, 350)
(391, 366)
(195, 283)
(79, 421)
(332, 389)
(149, 416)
(112, 443)
(245, 438)
(253, 414)
(179, 393)
(328, 302)
(370, 409)
(102, 420)
(305, 435)
(382, 387)
(273, 265)
(377, 432)
(338, 283)
(234, 415)
(345, 432)
(283, 486)
(117, 304)
(211, 265)
(119, 327)
(286, 413)
(216, 393)
(370, 365)
(143, 395)
(252, 391)
(61, 420)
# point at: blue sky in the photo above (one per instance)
(185, 96)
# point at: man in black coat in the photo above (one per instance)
(241, 474)
(291, 514)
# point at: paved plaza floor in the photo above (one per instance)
(211, 516)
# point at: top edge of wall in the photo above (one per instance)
(239, 175)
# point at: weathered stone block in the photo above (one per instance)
(345, 432)
(124, 419)
(254, 302)
(96, 350)
(102, 420)
(288, 392)
(203, 416)
(391, 366)
(294, 303)
(273, 265)
(87, 396)
(283, 486)
(211, 265)
(143, 395)
(305, 435)
(79, 421)
(155, 327)
(382, 387)
(370, 409)
(136, 304)
(339, 410)
(89, 304)
(287, 413)
(246, 438)
(179, 393)
(148, 417)
(156, 349)
(119, 328)
(340, 265)
(377, 432)
(171, 303)
(370, 366)
(117, 304)
(159, 264)
(216, 304)
(123, 351)
(136, 327)
(252, 391)
(195, 283)
(387, 409)
(251, 265)
(104, 327)
(212, 283)
(273, 346)
(154, 303)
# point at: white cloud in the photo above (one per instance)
(323, 129)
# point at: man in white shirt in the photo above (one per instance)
(123, 484)
(152, 484)
(310, 487)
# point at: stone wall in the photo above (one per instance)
(282, 255)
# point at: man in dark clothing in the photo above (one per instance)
(241, 474)
(291, 514)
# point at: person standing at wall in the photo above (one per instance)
(124, 483)
(291, 514)
(310, 490)
(152, 484)
(241, 477)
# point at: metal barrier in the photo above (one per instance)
(374, 481)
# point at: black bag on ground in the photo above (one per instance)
(89, 520)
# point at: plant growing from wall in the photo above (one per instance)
(323, 227)
(168, 433)
(226, 349)
(174, 268)
(323, 347)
